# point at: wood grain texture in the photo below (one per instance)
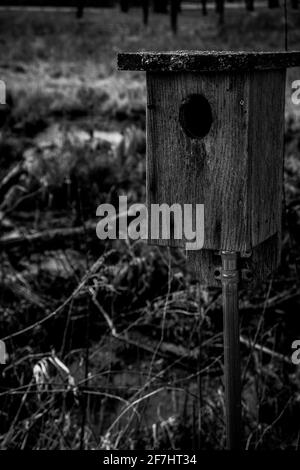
(235, 170)
(266, 152)
(207, 61)
(212, 171)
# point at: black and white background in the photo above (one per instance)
(113, 345)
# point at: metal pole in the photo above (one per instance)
(232, 369)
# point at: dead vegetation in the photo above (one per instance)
(103, 337)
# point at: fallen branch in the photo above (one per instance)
(265, 350)
(165, 349)
(11, 178)
(51, 239)
(21, 288)
(273, 301)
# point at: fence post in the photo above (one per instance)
(145, 7)
(174, 15)
(80, 9)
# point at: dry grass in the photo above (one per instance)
(104, 352)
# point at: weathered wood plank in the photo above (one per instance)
(235, 170)
(207, 61)
(266, 149)
(212, 171)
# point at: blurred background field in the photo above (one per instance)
(103, 337)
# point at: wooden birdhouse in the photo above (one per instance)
(215, 126)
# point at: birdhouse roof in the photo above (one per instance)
(207, 61)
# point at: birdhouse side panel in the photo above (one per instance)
(266, 149)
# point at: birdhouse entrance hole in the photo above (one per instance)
(195, 116)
